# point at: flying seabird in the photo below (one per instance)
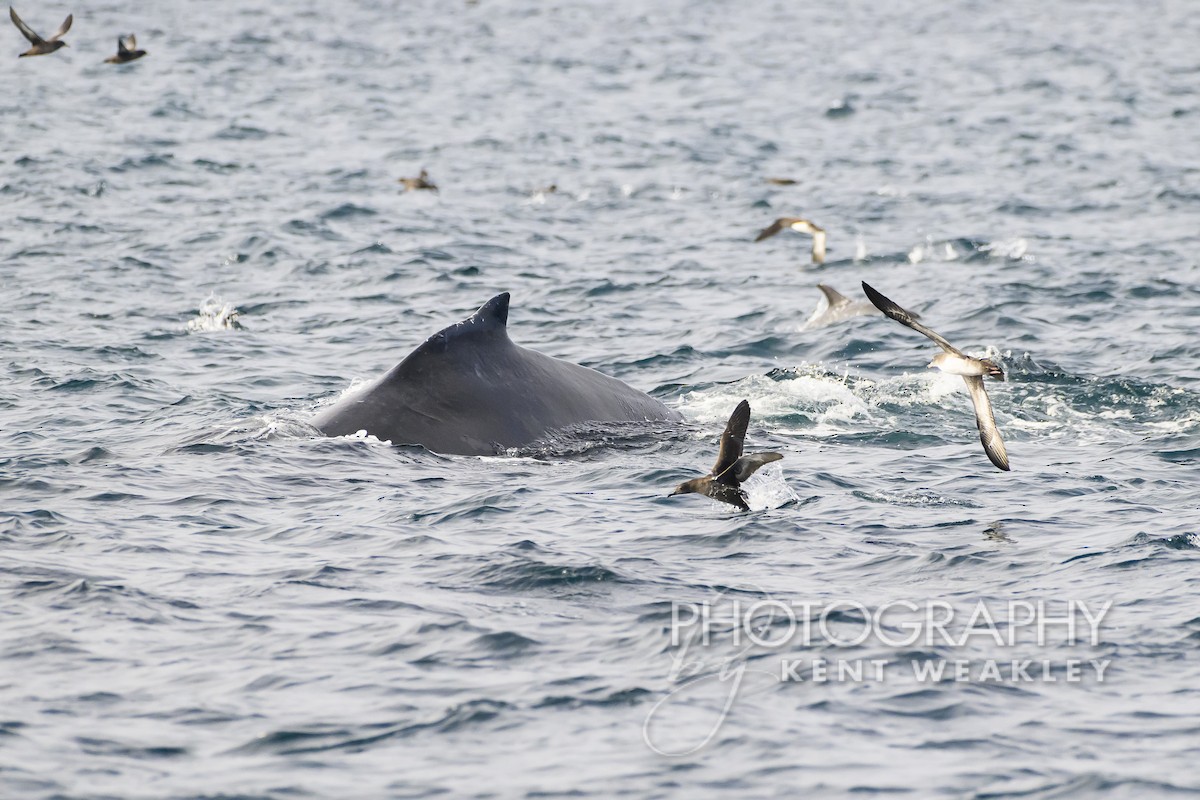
(126, 51)
(420, 182)
(41, 46)
(732, 468)
(955, 362)
(782, 181)
(803, 226)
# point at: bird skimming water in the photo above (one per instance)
(955, 362)
(732, 468)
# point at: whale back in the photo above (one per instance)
(469, 390)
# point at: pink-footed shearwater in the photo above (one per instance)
(41, 46)
(127, 50)
(955, 362)
(420, 182)
(802, 226)
(732, 468)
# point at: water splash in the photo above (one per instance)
(215, 315)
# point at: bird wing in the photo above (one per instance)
(989, 434)
(25, 30)
(832, 296)
(126, 44)
(772, 229)
(907, 318)
(746, 466)
(62, 29)
(818, 246)
(732, 438)
(728, 494)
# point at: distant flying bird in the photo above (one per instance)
(955, 362)
(420, 182)
(732, 468)
(802, 226)
(126, 51)
(41, 46)
(782, 181)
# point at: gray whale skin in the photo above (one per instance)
(468, 390)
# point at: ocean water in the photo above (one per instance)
(202, 598)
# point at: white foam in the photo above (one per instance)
(826, 397)
(933, 251)
(1011, 249)
(767, 488)
(215, 315)
(366, 438)
(357, 386)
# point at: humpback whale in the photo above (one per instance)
(469, 390)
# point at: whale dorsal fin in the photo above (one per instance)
(832, 296)
(488, 324)
(493, 313)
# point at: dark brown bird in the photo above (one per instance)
(801, 225)
(724, 483)
(126, 51)
(420, 182)
(41, 46)
(782, 181)
(956, 362)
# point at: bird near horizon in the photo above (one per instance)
(420, 182)
(799, 225)
(127, 50)
(41, 46)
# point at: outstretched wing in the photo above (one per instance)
(746, 466)
(989, 434)
(772, 229)
(126, 44)
(62, 29)
(732, 438)
(907, 318)
(25, 30)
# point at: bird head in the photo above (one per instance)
(687, 487)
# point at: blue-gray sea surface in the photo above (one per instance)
(203, 598)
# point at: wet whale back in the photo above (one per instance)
(469, 389)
